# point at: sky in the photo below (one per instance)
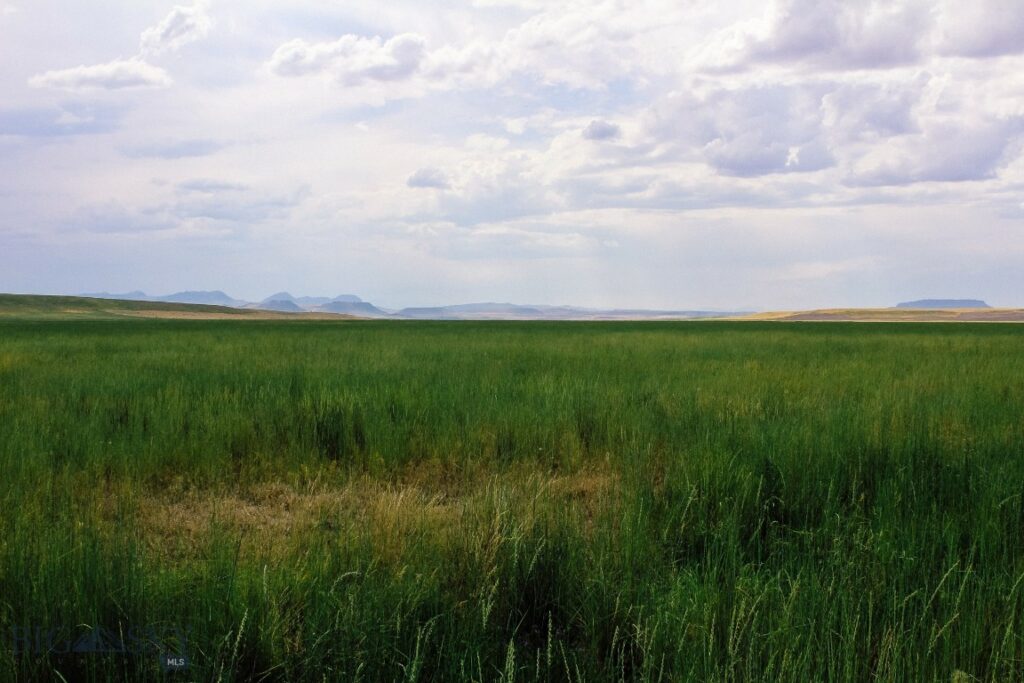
(645, 153)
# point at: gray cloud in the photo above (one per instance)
(496, 204)
(521, 240)
(838, 34)
(601, 130)
(868, 111)
(210, 186)
(748, 132)
(751, 155)
(235, 208)
(428, 177)
(66, 120)
(946, 152)
(245, 207)
(176, 149)
(115, 217)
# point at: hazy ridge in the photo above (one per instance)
(350, 304)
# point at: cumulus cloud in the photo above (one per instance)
(185, 24)
(601, 130)
(944, 152)
(836, 34)
(869, 111)
(428, 177)
(577, 44)
(116, 75)
(747, 132)
(352, 59)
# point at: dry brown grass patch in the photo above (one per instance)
(275, 517)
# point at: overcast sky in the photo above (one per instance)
(674, 153)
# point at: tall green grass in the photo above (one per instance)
(516, 501)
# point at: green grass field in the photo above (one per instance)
(384, 501)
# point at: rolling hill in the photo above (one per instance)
(63, 307)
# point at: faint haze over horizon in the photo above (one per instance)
(660, 154)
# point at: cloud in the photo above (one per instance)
(176, 149)
(116, 75)
(210, 186)
(835, 34)
(982, 28)
(522, 4)
(865, 111)
(234, 204)
(579, 45)
(482, 200)
(601, 130)
(67, 120)
(237, 208)
(182, 26)
(352, 59)
(493, 241)
(541, 130)
(944, 152)
(746, 132)
(428, 177)
(245, 210)
(115, 217)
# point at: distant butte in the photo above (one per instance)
(944, 303)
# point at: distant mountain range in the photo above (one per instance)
(215, 298)
(350, 304)
(944, 303)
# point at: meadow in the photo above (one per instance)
(417, 501)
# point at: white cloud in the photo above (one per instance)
(182, 26)
(576, 44)
(353, 59)
(116, 75)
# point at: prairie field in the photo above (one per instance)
(416, 501)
